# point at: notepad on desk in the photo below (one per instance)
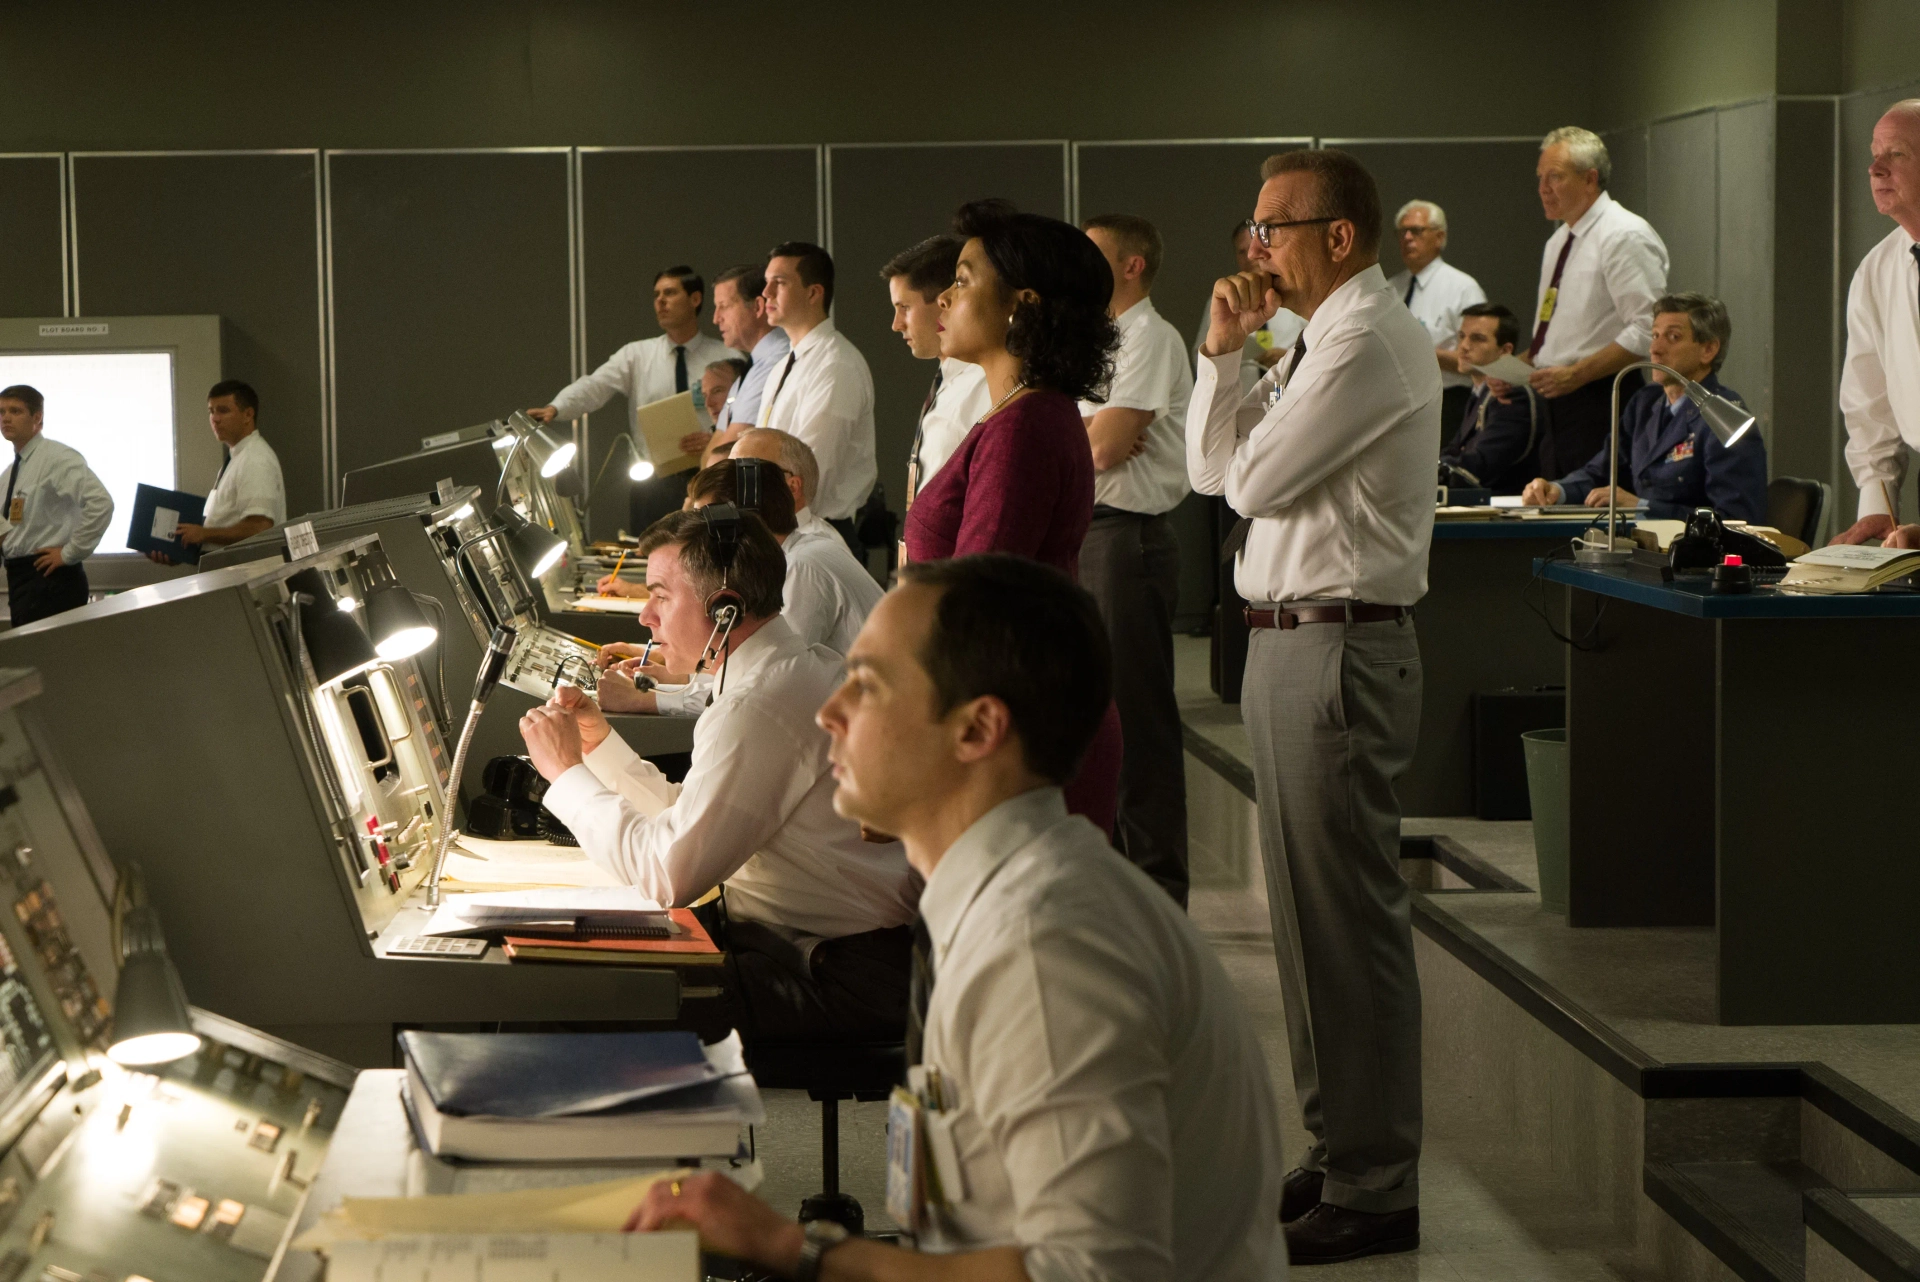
(1843, 568)
(689, 946)
(609, 604)
(496, 1257)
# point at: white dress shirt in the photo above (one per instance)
(962, 401)
(823, 394)
(1115, 1115)
(828, 594)
(249, 485)
(1617, 268)
(1338, 474)
(1282, 331)
(642, 372)
(743, 400)
(1880, 381)
(63, 505)
(1441, 292)
(756, 809)
(1149, 373)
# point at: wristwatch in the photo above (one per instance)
(821, 1236)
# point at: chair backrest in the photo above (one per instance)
(1794, 506)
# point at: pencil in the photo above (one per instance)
(1893, 506)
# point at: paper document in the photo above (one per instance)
(661, 426)
(165, 522)
(467, 914)
(508, 865)
(1853, 556)
(520, 1257)
(602, 1207)
(1508, 369)
(608, 604)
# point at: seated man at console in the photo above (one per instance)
(1111, 1107)
(1669, 458)
(815, 918)
(1497, 445)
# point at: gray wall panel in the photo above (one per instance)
(450, 292)
(1628, 150)
(1194, 193)
(884, 199)
(30, 262)
(1681, 198)
(1804, 411)
(229, 235)
(1744, 273)
(1495, 227)
(641, 211)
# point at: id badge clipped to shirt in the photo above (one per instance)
(924, 1175)
(17, 510)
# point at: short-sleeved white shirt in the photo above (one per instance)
(1150, 373)
(250, 485)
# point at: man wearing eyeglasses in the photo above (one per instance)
(1330, 461)
(1436, 292)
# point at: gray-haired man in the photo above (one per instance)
(1436, 292)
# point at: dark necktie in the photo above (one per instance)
(1237, 536)
(226, 458)
(1551, 302)
(1916, 263)
(766, 410)
(680, 368)
(920, 435)
(919, 990)
(13, 474)
(1412, 283)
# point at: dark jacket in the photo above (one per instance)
(1672, 461)
(1498, 442)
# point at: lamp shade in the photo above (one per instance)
(534, 550)
(151, 1023)
(642, 470)
(1728, 422)
(549, 453)
(399, 626)
(336, 644)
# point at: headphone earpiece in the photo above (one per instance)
(725, 599)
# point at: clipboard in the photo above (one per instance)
(661, 426)
(157, 514)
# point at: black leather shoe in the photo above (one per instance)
(1328, 1234)
(1300, 1193)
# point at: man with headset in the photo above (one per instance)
(816, 918)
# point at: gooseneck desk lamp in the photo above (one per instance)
(1728, 423)
(493, 666)
(151, 1023)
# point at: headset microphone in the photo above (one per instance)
(493, 665)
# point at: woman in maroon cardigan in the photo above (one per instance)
(1028, 304)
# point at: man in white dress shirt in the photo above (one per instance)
(1267, 345)
(1600, 273)
(1880, 381)
(54, 513)
(649, 370)
(957, 398)
(1130, 560)
(1331, 461)
(823, 392)
(740, 314)
(1436, 292)
(1111, 1108)
(814, 916)
(249, 495)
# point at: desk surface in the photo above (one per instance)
(1513, 527)
(1696, 598)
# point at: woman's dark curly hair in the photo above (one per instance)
(1065, 340)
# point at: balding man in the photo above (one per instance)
(1330, 461)
(1436, 292)
(1600, 273)
(1880, 382)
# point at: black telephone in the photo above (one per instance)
(1708, 541)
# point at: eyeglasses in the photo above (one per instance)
(1415, 231)
(1263, 232)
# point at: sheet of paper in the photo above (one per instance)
(509, 865)
(601, 1207)
(165, 522)
(1508, 369)
(608, 604)
(1852, 556)
(457, 915)
(662, 425)
(520, 1257)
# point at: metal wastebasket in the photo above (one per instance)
(1547, 790)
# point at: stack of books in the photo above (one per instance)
(577, 1097)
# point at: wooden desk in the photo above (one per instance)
(1729, 759)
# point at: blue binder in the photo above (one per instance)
(149, 502)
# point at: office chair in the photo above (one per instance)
(1794, 506)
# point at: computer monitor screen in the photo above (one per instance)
(116, 408)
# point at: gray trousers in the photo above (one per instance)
(1333, 711)
(1131, 565)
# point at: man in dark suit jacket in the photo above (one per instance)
(1669, 458)
(1497, 443)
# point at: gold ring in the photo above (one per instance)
(674, 1188)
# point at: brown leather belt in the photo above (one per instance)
(1288, 617)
